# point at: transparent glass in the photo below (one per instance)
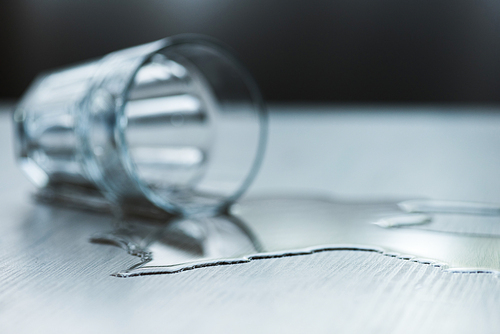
(178, 123)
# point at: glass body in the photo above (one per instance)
(178, 123)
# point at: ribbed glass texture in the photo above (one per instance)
(178, 123)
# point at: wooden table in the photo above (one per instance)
(52, 279)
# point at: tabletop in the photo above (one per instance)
(56, 278)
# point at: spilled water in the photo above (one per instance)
(179, 243)
(287, 226)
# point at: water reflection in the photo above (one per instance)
(168, 247)
(281, 224)
(285, 226)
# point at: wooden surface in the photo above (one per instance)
(52, 279)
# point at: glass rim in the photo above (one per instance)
(255, 98)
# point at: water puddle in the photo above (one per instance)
(453, 207)
(179, 243)
(292, 226)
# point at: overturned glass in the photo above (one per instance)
(177, 123)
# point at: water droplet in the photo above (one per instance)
(403, 220)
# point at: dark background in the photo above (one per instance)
(347, 51)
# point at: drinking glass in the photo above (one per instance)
(178, 123)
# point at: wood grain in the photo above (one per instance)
(53, 280)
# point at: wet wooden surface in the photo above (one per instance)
(53, 280)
